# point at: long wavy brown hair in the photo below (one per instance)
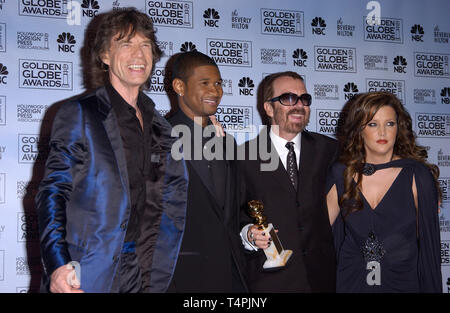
(126, 23)
(358, 112)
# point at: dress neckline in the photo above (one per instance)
(370, 168)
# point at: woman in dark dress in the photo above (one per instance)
(383, 202)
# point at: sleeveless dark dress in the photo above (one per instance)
(393, 229)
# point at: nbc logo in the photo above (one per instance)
(3, 74)
(445, 94)
(417, 33)
(211, 17)
(300, 57)
(318, 26)
(90, 8)
(188, 46)
(66, 42)
(400, 64)
(246, 86)
(350, 90)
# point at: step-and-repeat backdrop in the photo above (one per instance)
(330, 43)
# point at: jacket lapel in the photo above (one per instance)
(306, 159)
(229, 191)
(110, 123)
(203, 173)
(201, 170)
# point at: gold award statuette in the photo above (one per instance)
(276, 255)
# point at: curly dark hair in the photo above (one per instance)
(126, 22)
(359, 111)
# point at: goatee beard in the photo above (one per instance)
(300, 126)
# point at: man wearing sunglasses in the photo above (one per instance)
(293, 194)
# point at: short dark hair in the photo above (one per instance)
(185, 62)
(126, 22)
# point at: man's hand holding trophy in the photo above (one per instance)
(263, 234)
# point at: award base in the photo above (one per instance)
(276, 255)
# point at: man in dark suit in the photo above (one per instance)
(112, 201)
(293, 193)
(211, 257)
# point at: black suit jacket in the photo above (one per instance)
(301, 218)
(211, 257)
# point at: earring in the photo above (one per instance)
(105, 67)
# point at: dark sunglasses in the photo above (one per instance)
(290, 99)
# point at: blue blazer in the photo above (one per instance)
(83, 203)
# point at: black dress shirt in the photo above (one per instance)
(137, 145)
(136, 141)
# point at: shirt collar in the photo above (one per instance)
(280, 143)
(144, 103)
